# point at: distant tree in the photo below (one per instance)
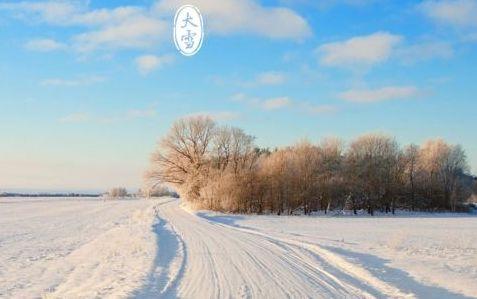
(118, 192)
(157, 191)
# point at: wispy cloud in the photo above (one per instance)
(217, 115)
(80, 81)
(140, 113)
(459, 13)
(379, 94)
(148, 63)
(270, 78)
(129, 115)
(326, 4)
(134, 32)
(276, 103)
(314, 109)
(54, 12)
(242, 97)
(366, 50)
(424, 51)
(79, 117)
(261, 79)
(44, 45)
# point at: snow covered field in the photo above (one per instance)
(88, 248)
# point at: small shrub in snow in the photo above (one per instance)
(118, 192)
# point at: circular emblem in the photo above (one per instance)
(188, 30)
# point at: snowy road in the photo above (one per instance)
(157, 249)
(219, 261)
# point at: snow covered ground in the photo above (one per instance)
(88, 248)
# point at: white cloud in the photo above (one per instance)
(148, 63)
(246, 16)
(116, 28)
(379, 95)
(55, 12)
(359, 51)
(276, 103)
(44, 45)
(460, 13)
(80, 81)
(270, 78)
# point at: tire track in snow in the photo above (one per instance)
(229, 262)
(333, 260)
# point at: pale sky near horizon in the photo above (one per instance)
(88, 87)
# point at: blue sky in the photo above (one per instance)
(88, 87)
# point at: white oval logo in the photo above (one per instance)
(188, 30)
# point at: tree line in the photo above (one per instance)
(220, 168)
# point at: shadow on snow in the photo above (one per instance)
(158, 283)
(400, 279)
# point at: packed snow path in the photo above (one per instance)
(218, 261)
(157, 249)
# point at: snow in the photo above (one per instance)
(89, 248)
(74, 248)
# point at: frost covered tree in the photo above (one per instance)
(373, 168)
(443, 167)
(182, 157)
(220, 168)
(330, 172)
(201, 159)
